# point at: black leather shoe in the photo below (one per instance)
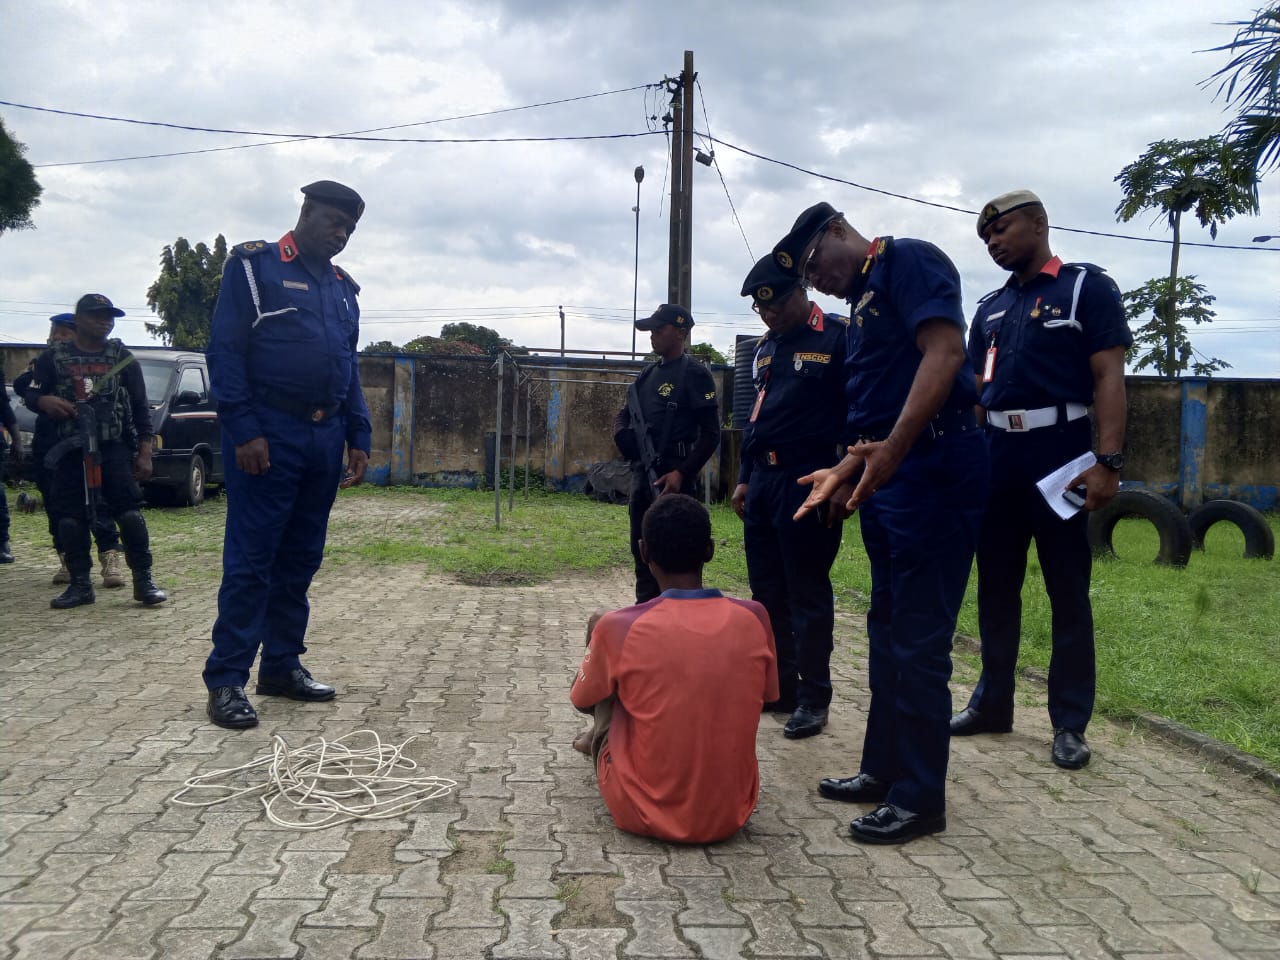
(783, 705)
(1069, 749)
(78, 593)
(805, 722)
(970, 721)
(864, 788)
(6, 553)
(146, 591)
(230, 708)
(890, 824)
(296, 685)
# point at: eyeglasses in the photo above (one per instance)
(804, 270)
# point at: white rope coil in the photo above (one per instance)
(328, 781)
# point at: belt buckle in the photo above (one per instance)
(317, 414)
(1016, 421)
(771, 457)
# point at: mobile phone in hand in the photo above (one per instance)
(1077, 495)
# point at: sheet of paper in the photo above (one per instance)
(1052, 485)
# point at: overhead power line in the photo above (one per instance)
(974, 213)
(301, 137)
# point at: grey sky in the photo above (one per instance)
(951, 102)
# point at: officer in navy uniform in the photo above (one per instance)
(1048, 343)
(90, 375)
(677, 396)
(283, 369)
(918, 470)
(794, 428)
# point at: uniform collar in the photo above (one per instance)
(1050, 269)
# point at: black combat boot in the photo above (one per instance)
(6, 554)
(77, 594)
(145, 589)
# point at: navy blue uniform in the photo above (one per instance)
(10, 422)
(283, 366)
(794, 429)
(1040, 336)
(921, 528)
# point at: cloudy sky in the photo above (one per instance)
(949, 102)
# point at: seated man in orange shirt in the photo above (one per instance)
(676, 685)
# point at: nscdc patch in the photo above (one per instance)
(784, 260)
(665, 389)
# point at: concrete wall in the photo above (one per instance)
(433, 421)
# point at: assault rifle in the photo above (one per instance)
(644, 442)
(85, 440)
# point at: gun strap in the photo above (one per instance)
(111, 373)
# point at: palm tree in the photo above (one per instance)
(1177, 177)
(1251, 82)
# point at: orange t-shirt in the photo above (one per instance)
(691, 670)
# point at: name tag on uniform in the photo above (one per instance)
(296, 285)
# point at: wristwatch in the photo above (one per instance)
(1112, 461)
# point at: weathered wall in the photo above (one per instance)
(434, 417)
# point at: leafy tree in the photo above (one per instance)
(1250, 82)
(489, 341)
(441, 347)
(707, 353)
(382, 346)
(1177, 177)
(185, 293)
(1150, 347)
(19, 189)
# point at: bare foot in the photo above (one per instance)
(582, 742)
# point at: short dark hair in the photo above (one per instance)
(676, 532)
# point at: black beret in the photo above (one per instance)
(767, 282)
(669, 314)
(335, 195)
(93, 302)
(788, 251)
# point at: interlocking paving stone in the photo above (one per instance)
(1147, 853)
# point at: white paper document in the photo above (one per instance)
(1054, 484)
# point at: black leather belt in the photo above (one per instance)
(796, 453)
(302, 409)
(946, 423)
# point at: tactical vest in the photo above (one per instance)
(110, 398)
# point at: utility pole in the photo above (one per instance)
(679, 270)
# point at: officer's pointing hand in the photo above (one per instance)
(882, 459)
(357, 462)
(252, 457)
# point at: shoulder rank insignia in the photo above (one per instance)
(252, 248)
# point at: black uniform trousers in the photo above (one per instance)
(920, 531)
(104, 527)
(789, 569)
(1016, 514)
(642, 496)
(120, 498)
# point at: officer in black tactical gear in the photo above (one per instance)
(91, 387)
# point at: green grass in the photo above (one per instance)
(1198, 645)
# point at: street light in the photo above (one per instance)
(635, 289)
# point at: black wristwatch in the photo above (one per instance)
(1112, 461)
